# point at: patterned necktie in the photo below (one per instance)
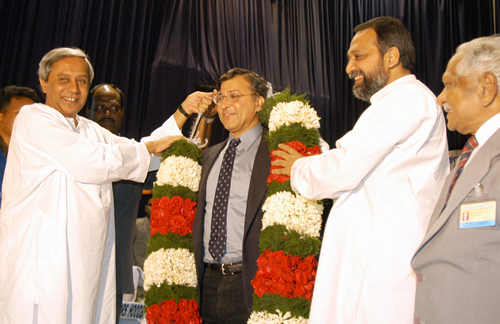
(466, 152)
(218, 233)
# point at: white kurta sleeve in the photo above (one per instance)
(96, 156)
(380, 130)
(169, 128)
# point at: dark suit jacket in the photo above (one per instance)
(253, 216)
(458, 270)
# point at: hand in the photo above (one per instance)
(197, 102)
(158, 146)
(288, 157)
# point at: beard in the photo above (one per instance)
(370, 85)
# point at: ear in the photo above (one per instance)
(392, 57)
(489, 88)
(89, 112)
(259, 102)
(43, 85)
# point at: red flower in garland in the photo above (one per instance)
(299, 147)
(287, 275)
(172, 215)
(168, 311)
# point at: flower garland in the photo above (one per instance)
(289, 241)
(170, 284)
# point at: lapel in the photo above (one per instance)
(258, 182)
(473, 174)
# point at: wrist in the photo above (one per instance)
(182, 111)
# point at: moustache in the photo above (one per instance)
(446, 107)
(107, 120)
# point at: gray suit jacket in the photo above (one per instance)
(458, 270)
(253, 215)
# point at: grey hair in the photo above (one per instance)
(45, 65)
(479, 56)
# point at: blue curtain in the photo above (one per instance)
(158, 51)
(301, 45)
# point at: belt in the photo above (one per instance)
(226, 269)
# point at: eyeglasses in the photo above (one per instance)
(231, 97)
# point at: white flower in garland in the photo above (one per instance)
(173, 266)
(295, 212)
(266, 317)
(286, 113)
(179, 171)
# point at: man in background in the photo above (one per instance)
(12, 98)
(226, 260)
(458, 261)
(386, 174)
(107, 110)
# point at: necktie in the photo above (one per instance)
(466, 152)
(218, 233)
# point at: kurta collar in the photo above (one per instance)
(385, 90)
(69, 121)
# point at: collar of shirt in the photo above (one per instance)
(382, 92)
(248, 138)
(487, 129)
(52, 111)
(484, 133)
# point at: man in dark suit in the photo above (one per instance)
(458, 263)
(224, 277)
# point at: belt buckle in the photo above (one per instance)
(222, 268)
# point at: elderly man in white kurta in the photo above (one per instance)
(56, 222)
(387, 173)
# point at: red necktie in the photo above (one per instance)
(466, 152)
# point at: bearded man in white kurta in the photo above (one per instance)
(386, 173)
(56, 222)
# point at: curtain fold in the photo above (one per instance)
(158, 51)
(301, 45)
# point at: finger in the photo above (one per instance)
(281, 154)
(288, 149)
(285, 171)
(281, 163)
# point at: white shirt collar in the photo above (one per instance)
(487, 129)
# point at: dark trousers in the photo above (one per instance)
(223, 299)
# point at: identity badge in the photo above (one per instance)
(479, 210)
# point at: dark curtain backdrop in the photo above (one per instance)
(119, 35)
(158, 51)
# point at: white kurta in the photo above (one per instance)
(56, 222)
(387, 174)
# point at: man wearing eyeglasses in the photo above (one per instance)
(226, 257)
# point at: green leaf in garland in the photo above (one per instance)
(294, 132)
(269, 302)
(276, 186)
(170, 241)
(283, 96)
(171, 191)
(184, 148)
(156, 295)
(279, 238)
